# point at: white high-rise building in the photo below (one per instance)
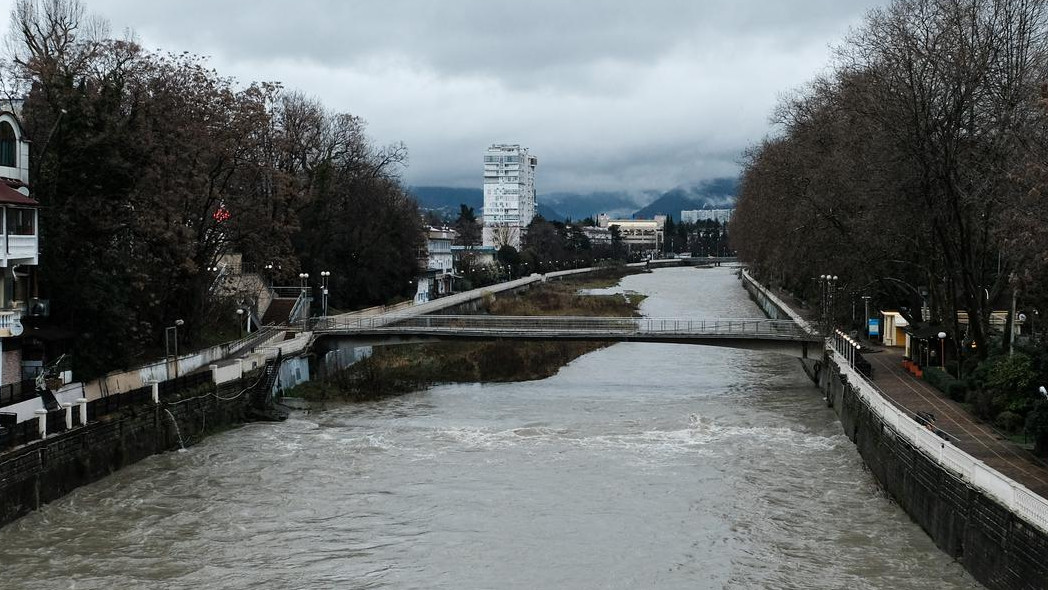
(509, 194)
(718, 215)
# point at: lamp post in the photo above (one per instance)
(866, 323)
(269, 273)
(171, 343)
(829, 283)
(324, 275)
(240, 320)
(942, 350)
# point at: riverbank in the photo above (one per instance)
(992, 525)
(394, 370)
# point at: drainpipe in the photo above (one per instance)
(1011, 321)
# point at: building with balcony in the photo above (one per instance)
(509, 194)
(20, 238)
(437, 263)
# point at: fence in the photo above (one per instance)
(568, 326)
(1017, 497)
(14, 393)
(115, 402)
(13, 433)
(19, 434)
(184, 382)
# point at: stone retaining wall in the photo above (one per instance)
(46, 470)
(997, 547)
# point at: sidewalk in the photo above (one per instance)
(971, 435)
(913, 395)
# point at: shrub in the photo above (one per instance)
(1008, 421)
(957, 391)
(944, 382)
(1037, 427)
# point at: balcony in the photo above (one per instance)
(21, 243)
(19, 249)
(11, 321)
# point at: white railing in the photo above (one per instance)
(18, 246)
(778, 303)
(1017, 497)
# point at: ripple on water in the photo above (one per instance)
(637, 466)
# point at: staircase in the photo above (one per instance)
(263, 405)
(279, 311)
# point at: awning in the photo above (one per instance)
(925, 331)
(10, 196)
(900, 322)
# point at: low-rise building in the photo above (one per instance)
(438, 264)
(638, 235)
(19, 229)
(597, 236)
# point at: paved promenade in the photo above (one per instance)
(967, 432)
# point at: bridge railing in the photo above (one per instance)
(613, 326)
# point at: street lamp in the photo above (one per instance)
(240, 320)
(324, 293)
(171, 342)
(828, 285)
(269, 273)
(302, 278)
(866, 324)
(942, 350)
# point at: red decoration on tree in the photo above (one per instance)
(221, 214)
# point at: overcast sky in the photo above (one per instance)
(610, 95)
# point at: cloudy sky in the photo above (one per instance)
(611, 95)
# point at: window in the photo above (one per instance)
(20, 222)
(8, 143)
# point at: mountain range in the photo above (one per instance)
(710, 194)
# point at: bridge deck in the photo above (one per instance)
(553, 327)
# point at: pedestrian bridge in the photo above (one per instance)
(780, 336)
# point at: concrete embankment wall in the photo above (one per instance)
(995, 528)
(770, 304)
(972, 525)
(46, 470)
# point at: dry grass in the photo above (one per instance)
(400, 369)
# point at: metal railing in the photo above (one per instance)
(555, 326)
(1017, 497)
(288, 292)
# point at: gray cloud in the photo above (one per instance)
(612, 95)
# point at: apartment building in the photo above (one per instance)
(509, 194)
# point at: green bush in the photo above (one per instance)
(944, 382)
(982, 403)
(957, 391)
(1008, 421)
(1037, 426)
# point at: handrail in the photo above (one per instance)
(804, 324)
(297, 309)
(287, 292)
(567, 325)
(1017, 497)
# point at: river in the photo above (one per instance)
(636, 466)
